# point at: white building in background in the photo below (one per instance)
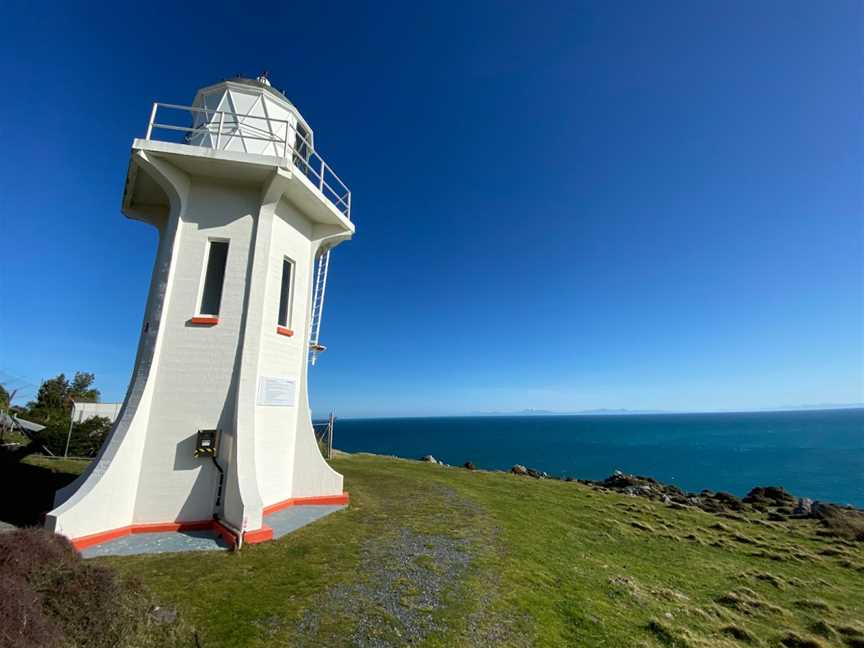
(245, 208)
(85, 411)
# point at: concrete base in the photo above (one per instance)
(281, 522)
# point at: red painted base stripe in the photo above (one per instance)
(263, 534)
(258, 535)
(83, 542)
(98, 538)
(342, 498)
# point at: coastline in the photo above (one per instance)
(761, 505)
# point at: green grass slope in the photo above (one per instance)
(437, 556)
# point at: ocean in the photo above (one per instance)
(816, 454)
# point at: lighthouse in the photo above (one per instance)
(215, 429)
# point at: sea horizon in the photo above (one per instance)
(601, 412)
(815, 453)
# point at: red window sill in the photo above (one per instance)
(281, 330)
(204, 321)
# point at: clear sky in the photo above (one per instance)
(644, 205)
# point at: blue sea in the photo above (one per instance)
(817, 454)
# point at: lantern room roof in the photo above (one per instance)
(261, 84)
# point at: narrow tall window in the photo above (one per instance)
(285, 293)
(214, 277)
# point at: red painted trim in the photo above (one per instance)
(225, 533)
(172, 526)
(255, 536)
(263, 534)
(301, 501)
(281, 330)
(83, 542)
(98, 538)
(203, 320)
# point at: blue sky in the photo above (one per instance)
(645, 205)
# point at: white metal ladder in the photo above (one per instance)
(315, 346)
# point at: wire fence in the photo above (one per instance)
(324, 436)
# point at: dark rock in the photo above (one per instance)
(771, 495)
(469, 465)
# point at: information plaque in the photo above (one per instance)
(279, 392)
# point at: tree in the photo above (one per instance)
(54, 395)
(82, 389)
(5, 398)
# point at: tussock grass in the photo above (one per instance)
(667, 635)
(793, 640)
(738, 633)
(812, 604)
(747, 601)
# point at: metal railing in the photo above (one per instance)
(219, 129)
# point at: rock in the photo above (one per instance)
(805, 506)
(536, 474)
(770, 495)
(519, 469)
(163, 616)
(469, 465)
(429, 459)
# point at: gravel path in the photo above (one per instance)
(408, 577)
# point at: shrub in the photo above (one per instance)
(23, 624)
(50, 597)
(87, 437)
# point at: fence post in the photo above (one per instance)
(330, 436)
(69, 435)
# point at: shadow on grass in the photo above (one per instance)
(27, 491)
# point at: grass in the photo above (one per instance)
(536, 563)
(73, 467)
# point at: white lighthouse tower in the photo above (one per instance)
(215, 430)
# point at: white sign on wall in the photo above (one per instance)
(276, 391)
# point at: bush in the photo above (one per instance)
(50, 597)
(87, 436)
(23, 624)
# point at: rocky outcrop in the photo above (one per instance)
(650, 488)
(772, 502)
